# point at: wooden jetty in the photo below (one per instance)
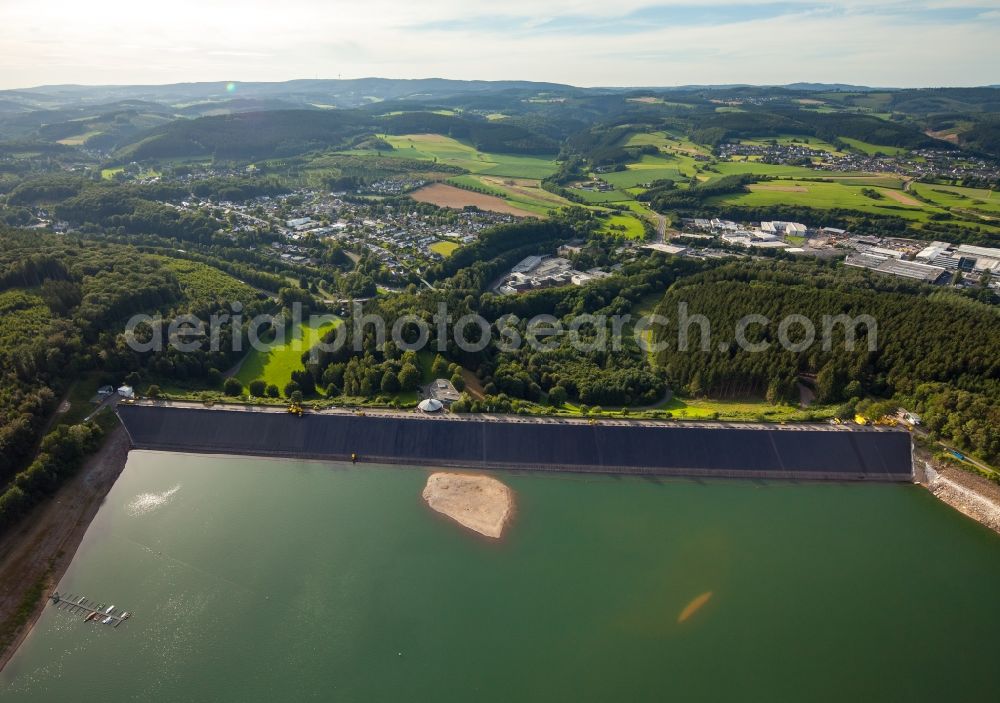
(88, 610)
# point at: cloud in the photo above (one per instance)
(643, 19)
(584, 42)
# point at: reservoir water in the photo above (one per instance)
(276, 580)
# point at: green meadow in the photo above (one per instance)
(440, 149)
(633, 228)
(787, 139)
(977, 199)
(274, 363)
(869, 148)
(592, 197)
(823, 194)
(444, 248)
(729, 168)
(648, 169)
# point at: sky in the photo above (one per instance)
(902, 43)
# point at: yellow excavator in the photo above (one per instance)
(296, 409)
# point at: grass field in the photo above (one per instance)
(869, 148)
(79, 139)
(275, 363)
(648, 169)
(444, 248)
(728, 168)
(976, 199)
(640, 209)
(708, 409)
(109, 173)
(83, 389)
(812, 142)
(441, 149)
(869, 180)
(633, 228)
(827, 194)
(595, 198)
(667, 142)
(740, 410)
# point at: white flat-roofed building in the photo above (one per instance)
(673, 249)
(739, 238)
(971, 250)
(527, 264)
(931, 252)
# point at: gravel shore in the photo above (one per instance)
(41, 548)
(971, 495)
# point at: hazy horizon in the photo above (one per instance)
(673, 86)
(585, 43)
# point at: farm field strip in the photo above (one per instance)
(444, 195)
(441, 149)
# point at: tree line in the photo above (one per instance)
(932, 350)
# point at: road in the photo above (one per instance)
(521, 419)
(920, 431)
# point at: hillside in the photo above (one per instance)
(281, 133)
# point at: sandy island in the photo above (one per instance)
(480, 503)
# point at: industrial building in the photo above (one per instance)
(546, 272)
(896, 267)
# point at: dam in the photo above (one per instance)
(816, 452)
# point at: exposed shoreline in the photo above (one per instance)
(480, 503)
(972, 495)
(43, 545)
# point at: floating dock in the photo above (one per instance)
(88, 610)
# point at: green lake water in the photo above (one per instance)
(265, 580)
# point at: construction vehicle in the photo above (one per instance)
(295, 409)
(862, 420)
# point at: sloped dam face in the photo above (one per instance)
(758, 451)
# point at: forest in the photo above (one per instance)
(64, 303)
(934, 350)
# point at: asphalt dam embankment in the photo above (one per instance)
(802, 452)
